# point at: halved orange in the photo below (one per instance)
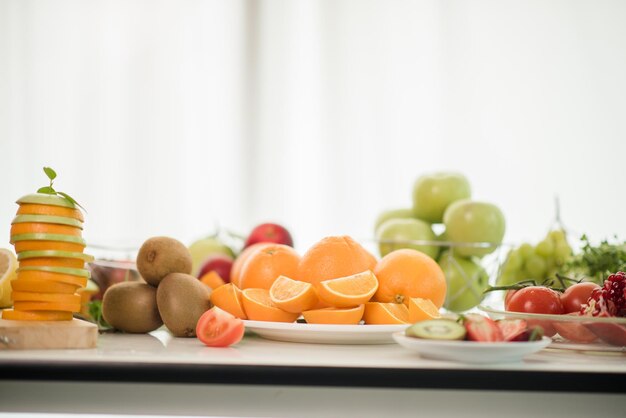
(292, 295)
(42, 228)
(422, 309)
(45, 297)
(335, 316)
(34, 209)
(212, 279)
(43, 286)
(36, 315)
(46, 306)
(349, 291)
(228, 298)
(377, 313)
(258, 306)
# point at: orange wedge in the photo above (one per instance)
(378, 313)
(45, 297)
(258, 306)
(422, 309)
(51, 210)
(228, 298)
(212, 279)
(346, 292)
(46, 306)
(43, 286)
(36, 315)
(293, 296)
(335, 316)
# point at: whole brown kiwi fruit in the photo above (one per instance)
(182, 299)
(131, 307)
(160, 256)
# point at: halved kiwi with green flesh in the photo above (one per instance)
(437, 329)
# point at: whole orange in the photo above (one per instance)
(235, 271)
(405, 274)
(266, 264)
(334, 257)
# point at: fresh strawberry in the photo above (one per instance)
(482, 329)
(514, 329)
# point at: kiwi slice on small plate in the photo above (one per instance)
(437, 329)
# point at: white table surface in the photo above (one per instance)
(296, 399)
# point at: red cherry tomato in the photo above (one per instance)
(536, 299)
(576, 295)
(218, 328)
(507, 297)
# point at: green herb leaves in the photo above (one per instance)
(51, 174)
(598, 262)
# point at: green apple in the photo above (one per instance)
(24, 255)
(203, 248)
(395, 234)
(466, 279)
(402, 213)
(433, 193)
(469, 221)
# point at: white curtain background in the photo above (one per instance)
(167, 117)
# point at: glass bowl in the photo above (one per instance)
(575, 332)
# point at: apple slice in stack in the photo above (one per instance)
(47, 235)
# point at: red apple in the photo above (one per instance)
(220, 263)
(269, 232)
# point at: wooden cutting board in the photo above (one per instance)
(28, 335)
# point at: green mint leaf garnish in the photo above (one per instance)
(46, 190)
(71, 199)
(50, 190)
(50, 173)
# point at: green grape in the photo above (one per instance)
(545, 248)
(526, 250)
(535, 266)
(513, 261)
(562, 252)
(557, 235)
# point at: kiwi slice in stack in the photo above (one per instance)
(437, 329)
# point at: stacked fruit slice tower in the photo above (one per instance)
(47, 235)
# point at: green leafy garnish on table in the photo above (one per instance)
(51, 174)
(95, 311)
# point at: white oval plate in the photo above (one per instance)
(471, 351)
(324, 334)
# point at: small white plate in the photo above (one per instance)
(324, 334)
(471, 351)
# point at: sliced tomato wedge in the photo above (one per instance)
(218, 328)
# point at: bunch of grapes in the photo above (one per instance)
(537, 263)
